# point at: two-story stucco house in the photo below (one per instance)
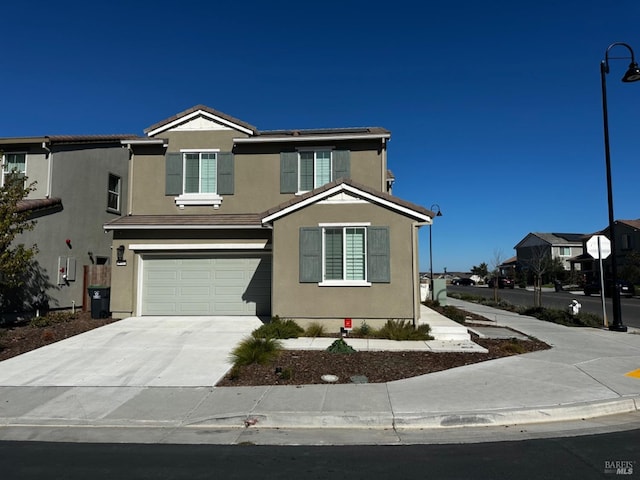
(225, 219)
(80, 184)
(536, 246)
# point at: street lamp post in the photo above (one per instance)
(436, 209)
(632, 75)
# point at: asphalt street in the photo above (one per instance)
(630, 307)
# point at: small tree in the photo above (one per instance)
(496, 262)
(482, 270)
(16, 260)
(538, 263)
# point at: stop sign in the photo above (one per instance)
(605, 247)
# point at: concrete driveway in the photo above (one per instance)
(137, 351)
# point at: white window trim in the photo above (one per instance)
(3, 165)
(118, 194)
(198, 199)
(314, 150)
(343, 282)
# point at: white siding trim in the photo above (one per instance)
(141, 247)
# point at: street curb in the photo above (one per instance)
(559, 413)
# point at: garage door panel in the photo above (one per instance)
(223, 285)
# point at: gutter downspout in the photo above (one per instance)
(49, 169)
(415, 269)
(130, 181)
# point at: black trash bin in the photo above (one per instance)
(99, 301)
(558, 285)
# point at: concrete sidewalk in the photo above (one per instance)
(589, 373)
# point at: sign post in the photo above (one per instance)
(599, 247)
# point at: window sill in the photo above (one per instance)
(198, 199)
(344, 283)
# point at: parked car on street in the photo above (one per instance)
(593, 288)
(502, 282)
(462, 281)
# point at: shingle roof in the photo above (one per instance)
(247, 220)
(38, 204)
(318, 191)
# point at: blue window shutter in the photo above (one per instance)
(310, 255)
(341, 164)
(288, 172)
(173, 163)
(225, 173)
(378, 255)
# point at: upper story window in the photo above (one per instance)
(200, 172)
(626, 242)
(565, 251)
(199, 177)
(114, 193)
(315, 170)
(14, 162)
(306, 169)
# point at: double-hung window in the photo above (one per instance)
(200, 172)
(199, 177)
(315, 169)
(113, 193)
(356, 254)
(345, 253)
(565, 251)
(14, 162)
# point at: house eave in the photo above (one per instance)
(310, 138)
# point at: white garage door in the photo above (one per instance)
(206, 285)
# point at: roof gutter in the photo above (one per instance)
(311, 138)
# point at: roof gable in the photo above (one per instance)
(200, 118)
(550, 239)
(347, 190)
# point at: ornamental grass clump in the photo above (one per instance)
(314, 330)
(255, 350)
(277, 328)
(404, 330)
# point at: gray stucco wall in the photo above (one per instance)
(80, 179)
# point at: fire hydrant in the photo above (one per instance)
(574, 307)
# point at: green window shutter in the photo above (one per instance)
(288, 172)
(225, 173)
(310, 255)
(173, 163)
(341, 164)
(378, 255)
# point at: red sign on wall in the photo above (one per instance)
(347, 323)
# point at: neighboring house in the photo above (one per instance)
(81, 183)
(225, 219)
(535, 246)
(627, 251)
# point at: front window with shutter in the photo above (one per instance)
(315, 169)
(344, 255)
(200, 172)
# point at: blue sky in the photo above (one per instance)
(494, 107)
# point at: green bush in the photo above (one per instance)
(255, 350)
(364, 330)
(314, 330)
(277, 328)
(340, 346)
(563, 317)
(52, 318)
(404, 330)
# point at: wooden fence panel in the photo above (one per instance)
(94, 275)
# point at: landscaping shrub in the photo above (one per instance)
(453, 313)
(52, 318)
(277, 328)
(364, 330)
(340, 346)
(314, 330)
(255, 350)
(563, 317)
(404, 330)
